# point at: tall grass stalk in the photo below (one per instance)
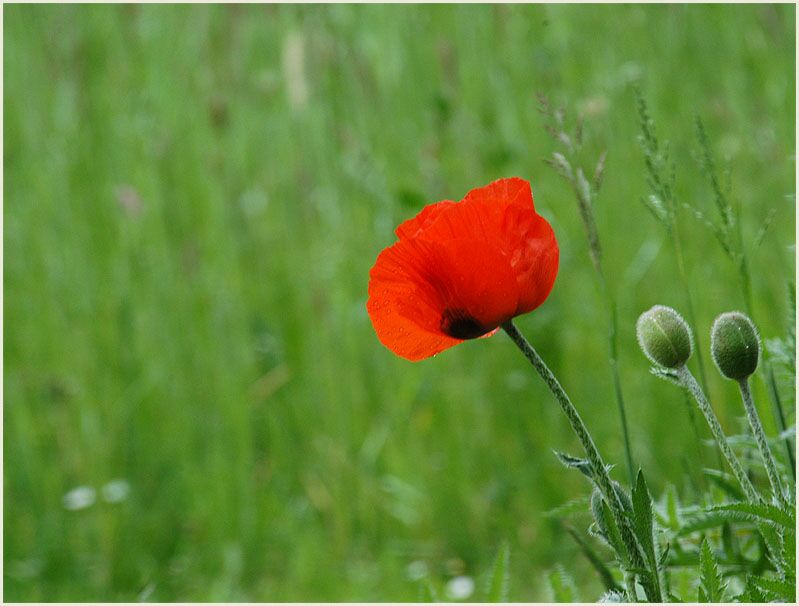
(661, 203)
(730, 236)
(585, 193)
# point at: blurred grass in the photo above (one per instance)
(193, 199)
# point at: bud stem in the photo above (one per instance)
(762, 444)
(689, 382)
(598, 469)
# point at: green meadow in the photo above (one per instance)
(195, 404)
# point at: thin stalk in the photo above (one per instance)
(689, 382)
(614, 367)
(767, 373)
(598, 470)
(583, 193)
(775, 398)
(762, 444)
(677, 242)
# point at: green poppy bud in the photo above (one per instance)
(735, 345)
(664, 336)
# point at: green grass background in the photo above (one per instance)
(206, 340)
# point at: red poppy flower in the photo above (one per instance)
(460, 270)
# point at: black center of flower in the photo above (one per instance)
(458, 324)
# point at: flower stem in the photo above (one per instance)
(598, 470)
(689, 382)
(762, 444)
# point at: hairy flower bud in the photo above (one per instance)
(664, 336)
(735, 345)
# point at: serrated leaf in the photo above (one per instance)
(785, 590)
(710, 577)
(500, 576)
(771, 538)
(756, 512)
(788, 540)
(752, 593)
(644, 528)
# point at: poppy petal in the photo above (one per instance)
(505, 191)
(405, 311)
(534, 255)
(425, 298)
(460, 270)
(412, 227)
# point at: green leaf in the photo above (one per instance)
(784, 590)
(710, 577)
(788, 539)
(771, 538)
(644, 528)
(610, 530)
(752, 593)
(500, 576)
(756, 512)
(642, 515)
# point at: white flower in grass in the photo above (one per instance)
(116, 491)
(79, 498)
(460, 588)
